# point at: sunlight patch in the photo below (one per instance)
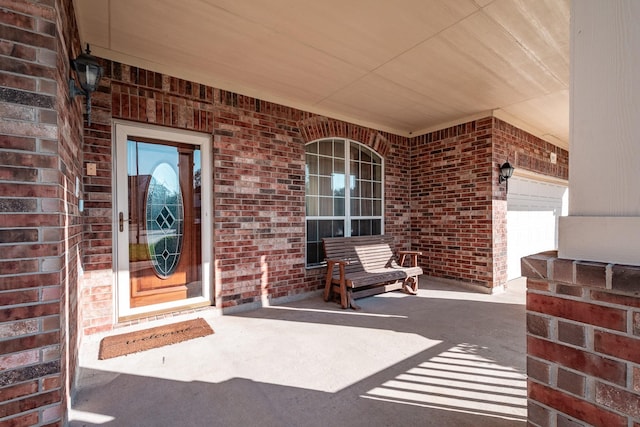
(89, 417)
(460, 380)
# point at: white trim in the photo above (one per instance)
(347, 217)
(523, 173)
(121, 131)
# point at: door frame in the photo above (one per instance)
(121, 131)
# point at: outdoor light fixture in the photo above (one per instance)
(506, 170)
(89, 72)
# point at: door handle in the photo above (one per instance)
(122, 221)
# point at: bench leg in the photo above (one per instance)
(344, 297)
(410, 285)
(327, 288)
(352, 303)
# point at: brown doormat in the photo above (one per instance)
(133, 342)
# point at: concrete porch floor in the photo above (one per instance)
(446, 357)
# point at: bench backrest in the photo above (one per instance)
(363, 252)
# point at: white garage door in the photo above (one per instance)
(533, 208)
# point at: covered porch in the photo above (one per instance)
(446, 357)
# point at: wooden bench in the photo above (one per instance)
(365, 265)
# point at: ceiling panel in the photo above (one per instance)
(402, 66)
(388, 102)
(548, 114)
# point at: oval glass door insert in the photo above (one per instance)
(164, 214)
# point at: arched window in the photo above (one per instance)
(344, 189)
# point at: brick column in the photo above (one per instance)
(40, 227)
(583, 342)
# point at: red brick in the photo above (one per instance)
(572, 382)
(29, 342)
(618, 399)
(592, 314)
(21, 420)
(537, 325)
(562, 270)
(18, 297)
(571, 333)
(17, 112)
(17, 360)
(13, 329)
(29, 403)
(51, 383)
(538, 415)
(618, 299)
(16, 391)
(538, 370)
(563, 421)
(28, 159)
(17, 142)
(538, 285)
(29, 312)
(625, 278)
(571, 290)
(33, 9)
(17, 82)
(52, 413)
(50, 323)
(24, 266)
(575, 407)
(591, 274)
(28, 281)
(619, 346)
(27, 190)
(31, 220)
(578, 360)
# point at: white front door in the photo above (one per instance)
(162, 219)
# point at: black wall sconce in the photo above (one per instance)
(89, 72)
(506, 170)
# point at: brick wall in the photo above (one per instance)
(40, 229)
(451, 202)
(258, 177)
(527, 152)
(583, 342)
(458, 209)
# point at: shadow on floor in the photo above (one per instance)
(443, 358)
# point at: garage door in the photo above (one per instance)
(533, 208)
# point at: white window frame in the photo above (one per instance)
(347, 202)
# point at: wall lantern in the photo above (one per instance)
(506, 170)
(89, 72)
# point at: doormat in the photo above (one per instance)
(133, 342)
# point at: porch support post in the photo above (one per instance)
(604, 161)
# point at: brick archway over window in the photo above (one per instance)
(318, 127)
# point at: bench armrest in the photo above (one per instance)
(344, 261)
(412, 254)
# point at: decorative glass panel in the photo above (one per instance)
(164, 216)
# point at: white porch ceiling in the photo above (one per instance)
(405, 66)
